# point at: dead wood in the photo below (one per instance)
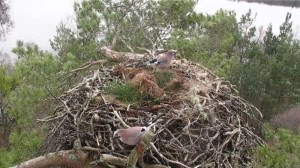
(68, 158)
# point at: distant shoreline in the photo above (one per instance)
(289, 3)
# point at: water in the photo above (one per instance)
(36, 20)
(266, 14)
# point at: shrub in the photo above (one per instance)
(282, 149)
(25, 146)
(163, 77)
(289, 119)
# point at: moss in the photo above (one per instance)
(124, 92)
(163, 77)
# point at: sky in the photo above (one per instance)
(36, 20)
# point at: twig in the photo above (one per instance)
(119, 118)
(85, 66)
(50, 93)
(48, 119)
(166, 159)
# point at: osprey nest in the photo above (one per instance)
(200, 120)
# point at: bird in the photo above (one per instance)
(131, 135)
(163, 60)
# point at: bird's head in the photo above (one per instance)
(117, 132)
(171, 53)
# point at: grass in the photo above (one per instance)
(163, 77)
(124, 92)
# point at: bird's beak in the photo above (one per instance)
(149, 127)
(115, 137)
(116, 134)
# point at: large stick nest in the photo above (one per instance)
(204, 122)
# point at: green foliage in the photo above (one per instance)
(137, 24)
(70, 63)
(163, 77)
(282, 150)
(24, 146)
(212, 41)
(269, 76)
(35, 69)
(5, 20)
(125, 92)
(8, 81)
(73, 49)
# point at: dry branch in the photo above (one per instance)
(114, 56)
(77, 159)
(69, 158)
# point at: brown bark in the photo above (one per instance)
(5, 128)
(115, 56)
(4, 136)
(69, 158)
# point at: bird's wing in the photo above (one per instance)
(163, 59)
(153, 61)
(157, 61)
(135, 134)
(136, 138)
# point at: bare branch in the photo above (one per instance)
(71, 158)
(168, 160)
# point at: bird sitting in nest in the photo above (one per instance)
(163, 60)
(131, 135)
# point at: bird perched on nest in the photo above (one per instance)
(131, 135)
(163, 60)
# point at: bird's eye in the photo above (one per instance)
(143, 129)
